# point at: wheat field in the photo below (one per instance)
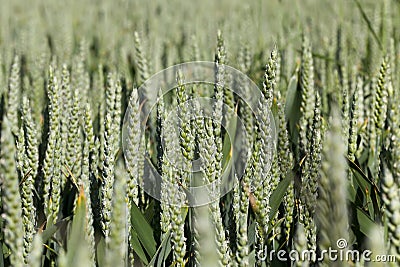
(200, 133)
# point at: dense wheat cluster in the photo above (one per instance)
(72, 164)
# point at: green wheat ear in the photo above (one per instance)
(186, 133)
(113, 108)
(117, 116)
(300, 245)
(285, 162)
(240, 206)
(66, 105)
(14, 94)
(133, 143)
(261, 185)
(108, 177)
(77, 253)
(379, 113)
(28, 208)
(355, 114)
(307, 95)
(394, 140)
(35, 256)
(331, 213)
(116, 241)
(219, 90)
(51, 165)
(74, 138)
(141, 60)
(85, 180)
(208, 149)
(132, 146)
(269, 82)
(391, 201)
(345, 91)
(195, 51)
(209, 254)
(170, 175)
(377, 245)
(12, 216)
(311, 176)
(381, 94)
(221, 57)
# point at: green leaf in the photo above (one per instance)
(277, 224)
(149, 212)
(369, 24)
(363, 178)
(365, 222)
(162, 252)
(368, 187)
(1, 255)
(251, 233)
(77, 247)
(184, 212)
(137, 247)
(292, 106)
(229, 140)
(279, 193)
(51, 229)
(143, 230)
(252, 257)
(228, 157)
(101, 252)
